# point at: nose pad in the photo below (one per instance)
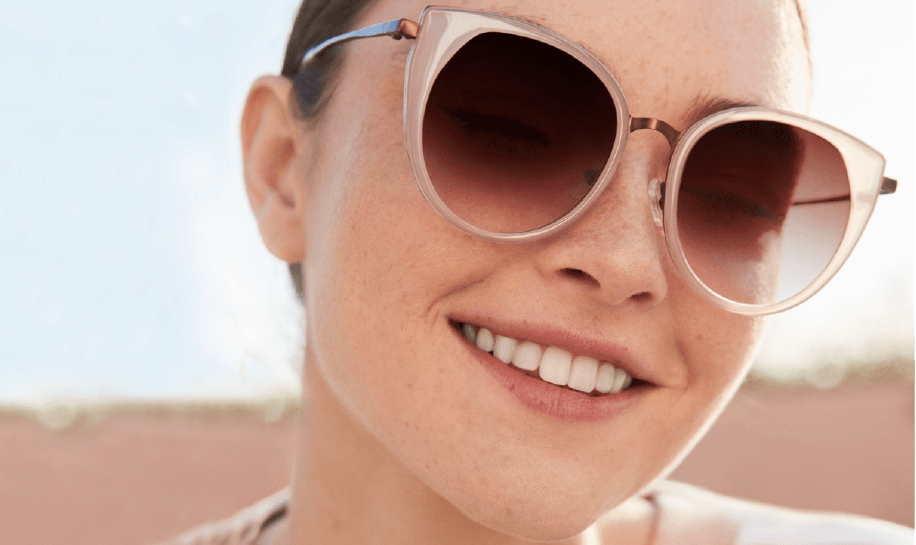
(656, 195)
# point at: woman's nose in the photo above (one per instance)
(616, 252)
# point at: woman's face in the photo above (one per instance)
(387, 279)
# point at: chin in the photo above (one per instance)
(544, 510)
(534, 521)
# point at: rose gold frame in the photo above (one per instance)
(443, 31)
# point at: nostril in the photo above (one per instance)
(642, 296)
(578, 274)
(575, 273)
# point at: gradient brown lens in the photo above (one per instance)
(761, 210)
(516, 133)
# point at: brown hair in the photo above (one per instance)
(316, 21)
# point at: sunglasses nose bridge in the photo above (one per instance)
(670, 133)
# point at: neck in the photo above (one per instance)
(348, 488)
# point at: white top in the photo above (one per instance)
(689, 510)
(686, 515)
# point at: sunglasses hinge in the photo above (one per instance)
(406, 29)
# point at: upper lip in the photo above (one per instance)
(602, 349)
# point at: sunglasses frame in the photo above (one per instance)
(441, 32)
(864, 168)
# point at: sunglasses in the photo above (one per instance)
(513, 132)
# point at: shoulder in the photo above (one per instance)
(246, 527)
(683, 508)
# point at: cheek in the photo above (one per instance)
(356, 278)
(718, 348)
(376, 265)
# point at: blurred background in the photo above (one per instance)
(131, 266)
(136, 298)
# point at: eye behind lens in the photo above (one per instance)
(516, 133)
(499, 131)
(761, 210)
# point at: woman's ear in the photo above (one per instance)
(272, 154)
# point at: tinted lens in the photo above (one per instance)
(762, 208)
(516, 132)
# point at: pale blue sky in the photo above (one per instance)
(130, 265)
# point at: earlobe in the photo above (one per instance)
(271, 157)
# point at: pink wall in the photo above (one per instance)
(137, 479)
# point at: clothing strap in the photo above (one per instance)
(248, 527)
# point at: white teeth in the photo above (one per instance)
(469, 332)
(619, 377)
(605, 378)
(527, 356)
(555, 366)
(485, 340)
(583, 374)
(503, 348)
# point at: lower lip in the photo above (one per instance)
(553, 400)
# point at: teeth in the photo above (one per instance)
(554, 365)
(527, 356)
(605, 378)
(619, 377)
(485, 340)
(503, 348)
(469, 332)
(583, 374)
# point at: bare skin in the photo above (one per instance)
(406, 439)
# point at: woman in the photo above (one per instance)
(523, 348)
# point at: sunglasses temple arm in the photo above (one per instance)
(888, 186)
(396, 28)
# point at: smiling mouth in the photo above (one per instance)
(554, 365)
